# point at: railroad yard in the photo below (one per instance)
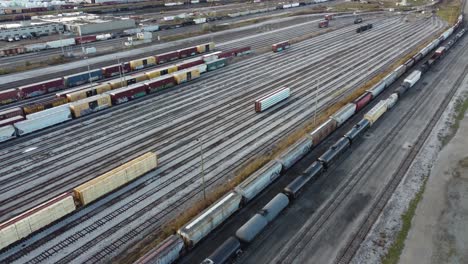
(226, 147)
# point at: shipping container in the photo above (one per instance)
(36, 218)
(259, 180)
(8, 96)
(323, 131)
(392, 100)
(247, 232)
(280, 46)
(186, 75)
(216, 64)
(115, 178)
(9, 113)
(128, 80)
(43, 105)
(310, 173)
(115, 70)
(187, 52)
(228, 249)
(362, 100)
(412, 79)
(330, 156)
(32, 90)
(90, 105)
(295, 152)
(160, 83)
(209, 219)
(376, 112)
(82, 78)
(142, 63)
(344, 113)
(161, 71)
(271, 99)
(165, 253)
(7, 129)
(129, 93)
(357, 130)
(43, 119)
(189, 63)
(168, 56)
(207, 47)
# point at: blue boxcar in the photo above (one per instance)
(83, 77)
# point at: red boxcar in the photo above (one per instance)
(362, 100)
(280, 46)
(168, 56)
(323, 24)
(11, 120)
(189, 63)
(11, 113)
(328, 17)
(187, 52)
(85, 39)
(129, 93)
(160, 83)
(8, 96)
(32, 90)
(113, 70)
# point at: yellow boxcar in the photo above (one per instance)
(36, 218)
(85, 93)
(186, 75)
(128, 80)
(43, 105)
(115, 178)
(161, 71)
(142, 63)
(207, 47)
(90, 105)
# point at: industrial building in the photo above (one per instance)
(28, 28)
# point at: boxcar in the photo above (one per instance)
(167, 252)
(32, 90)
(321, 132)
(168, 56)
(207, 47)
(129, 93)
(43, 105)
(160, 83)
(216, 64)
(186, 75)
(115, 70)
(280, 46)
(323, 24)
(362, 100)
(209, 219)
(161, 71)
(128, 80)
(189, 63)
(7, 130)
(9, 113)
(43, 119)
(90, 105)
(36, 218)
(8, 96)
(187, 52)
(88, 92)
(85, 39)
(142, 63)
(271, 99)
(82, 78)
(328, 17)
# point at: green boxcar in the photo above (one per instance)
(216, 64)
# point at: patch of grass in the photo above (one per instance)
(461, 106)
(394, 253)
(32, 65)
(449, 10)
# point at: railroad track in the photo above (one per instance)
(57, 161)
(313, 226)
(152, 191)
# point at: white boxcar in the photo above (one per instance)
(271, 99)
(35, 47)
(400, 70)
(294, 4)
(43, 119)
(259, 180)
(165, 253)
(344, 113)
(60, 43)
(211, 57)
(7, 133)
(412, 79)
(377, 89)
(36, 218)
(376, 112)
(209, 219)
(391, 100)
(294, 153)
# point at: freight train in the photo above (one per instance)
(194, 231)
(48, 212)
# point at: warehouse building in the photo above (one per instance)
(26, 28)
(86, 27)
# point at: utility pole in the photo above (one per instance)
(200, 140)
